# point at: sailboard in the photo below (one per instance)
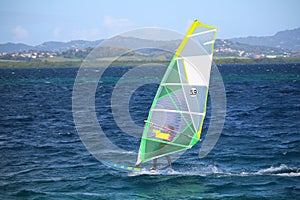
(137, 170)
(176, 116)
(121, 167)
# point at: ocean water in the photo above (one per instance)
(256, 157)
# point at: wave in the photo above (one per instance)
(282, 170)
(64, 133)
(211, 170)
(58, 195)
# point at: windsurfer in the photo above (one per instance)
(169, 130)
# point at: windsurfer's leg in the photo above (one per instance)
(169, 160)
(154, 164)
(138, 165)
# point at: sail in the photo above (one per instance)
(176, 116)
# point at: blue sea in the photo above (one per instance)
(256, 157)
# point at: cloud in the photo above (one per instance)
(112, 22)
(57, 32)
(19, 33)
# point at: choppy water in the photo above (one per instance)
(256, 157)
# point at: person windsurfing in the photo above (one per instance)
(169, 130)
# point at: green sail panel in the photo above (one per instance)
(173, 75)
(157, 146)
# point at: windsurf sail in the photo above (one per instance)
(178, 110)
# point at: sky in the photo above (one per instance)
(34, 21)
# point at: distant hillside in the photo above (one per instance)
(51, 46)
(64, 46)
(282, 44)
(228, 48)
(289, 39)
(14, 47)
(138, 43)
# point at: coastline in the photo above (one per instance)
(217, 60)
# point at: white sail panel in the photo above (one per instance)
(198, 75)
